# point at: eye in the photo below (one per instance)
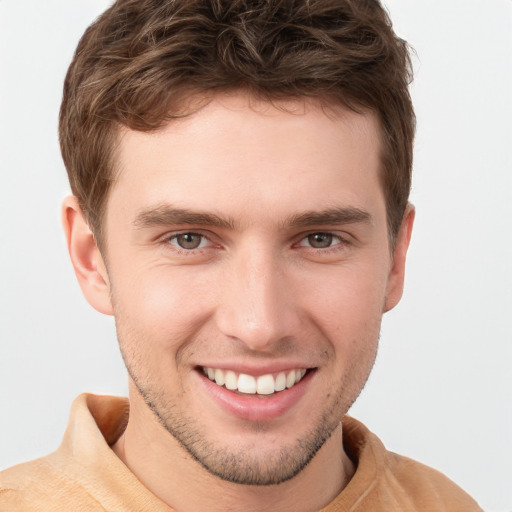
(189, 241)
(320, 240)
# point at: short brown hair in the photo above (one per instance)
(137, 63)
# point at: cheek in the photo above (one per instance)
(348, 296)
(162, 305)
(348, 312)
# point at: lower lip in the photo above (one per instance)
(256, 408)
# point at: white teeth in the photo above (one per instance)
(231, 381)
(290, 379)
(219, 377)
(265, 385)
(246, 384)
(262, 385)
(280, 382)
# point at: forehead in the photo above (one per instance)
(238, 153)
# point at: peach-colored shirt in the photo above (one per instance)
(85, 475)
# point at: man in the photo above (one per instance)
(240, 176)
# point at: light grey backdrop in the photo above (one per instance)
(441, 391)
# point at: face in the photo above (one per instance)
(249, 265)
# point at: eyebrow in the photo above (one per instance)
(167, 215)
(345, 215)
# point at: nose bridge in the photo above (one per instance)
(257, 306)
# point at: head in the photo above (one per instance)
(144, 62)
(244, 171)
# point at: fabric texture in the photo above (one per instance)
(85, 475)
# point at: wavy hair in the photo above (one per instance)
(141, 61)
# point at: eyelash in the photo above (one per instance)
(333, 237)
(341, 241)
(169, 238)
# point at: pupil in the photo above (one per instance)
(189, 241)
(320, 240)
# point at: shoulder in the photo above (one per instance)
(387, 481)
(424, 486)
(37, 485)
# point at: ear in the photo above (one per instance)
(86, 258)
(396, 276)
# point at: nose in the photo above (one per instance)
(257, 304)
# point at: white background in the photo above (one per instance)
(441, 391)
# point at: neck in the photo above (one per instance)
(168, 470)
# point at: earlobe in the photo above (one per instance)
(395, 285)
(85, 256)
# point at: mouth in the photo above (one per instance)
(243, 383)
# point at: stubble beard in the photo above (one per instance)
(246, 465)
(249, 465)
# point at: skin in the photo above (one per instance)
(259, 293)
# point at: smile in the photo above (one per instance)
(262, 385)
